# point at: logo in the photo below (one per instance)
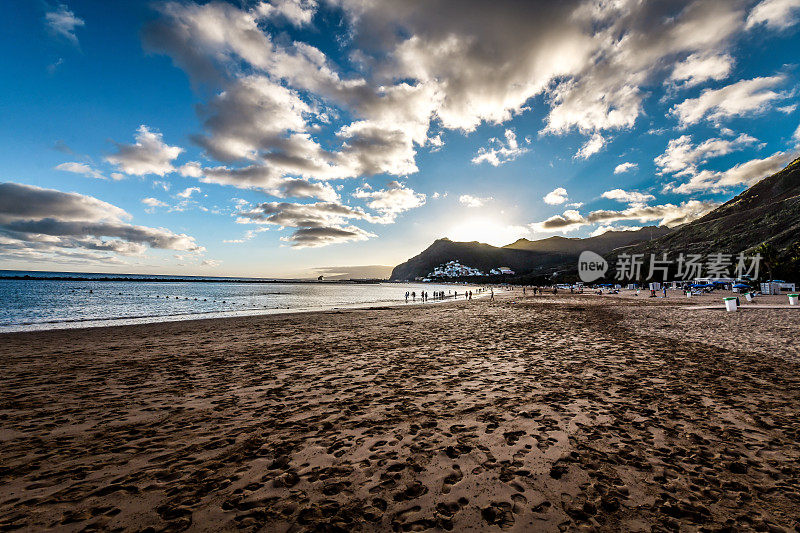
(591, 266)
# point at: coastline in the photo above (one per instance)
(90, 323)
(547, 412)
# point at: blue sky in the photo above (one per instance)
(286, 138)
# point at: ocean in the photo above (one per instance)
(43, 301)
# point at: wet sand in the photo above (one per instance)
(540, 413)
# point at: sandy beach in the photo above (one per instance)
(546, 413)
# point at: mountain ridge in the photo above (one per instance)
(523, 256)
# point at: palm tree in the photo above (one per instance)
(769, 255)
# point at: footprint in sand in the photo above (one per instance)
(499, 514)
(412, 491)
(451, 479)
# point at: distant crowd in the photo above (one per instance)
(440, 295)
(425, 296)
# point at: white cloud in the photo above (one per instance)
(777, 14)
(747, 173)
(248, 235)
(630, 50)
(701, 67)
(473, 201)
(669, 215)
(624, 167)
(682, 157)
(148, 155)
(297, 12)
(392, 201)
(82, 169)
(628, 197)
(592, 145)
(605, 229)
(735, 100)
(556, 196)
(188, 192)
(153, 202)
(498, 152)
(63, 22)
(787, 109)
(588, 60)
(796, 135)
(286, 119)
(436, 142)
(192, 169)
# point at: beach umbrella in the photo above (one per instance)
(741, 286)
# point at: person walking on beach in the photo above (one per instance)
(406, 296)
(491, 295)
(414, 295)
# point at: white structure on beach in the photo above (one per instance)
(777, 286)
(454, 269)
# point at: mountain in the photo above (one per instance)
(522, 256)
(769, 211)
(600, 244)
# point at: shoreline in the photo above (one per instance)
(392, 298)
(159, 319)
(539, 413)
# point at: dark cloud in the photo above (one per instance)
(46, 221)
(316, 224)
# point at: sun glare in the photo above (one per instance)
(487, 230)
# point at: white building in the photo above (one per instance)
(454, 269)
(505, 271)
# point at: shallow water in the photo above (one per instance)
(35, 304)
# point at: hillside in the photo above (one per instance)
(473, 254)
(600, 244)
(769, 211)
(523, 256)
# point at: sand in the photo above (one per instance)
(545, 413)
